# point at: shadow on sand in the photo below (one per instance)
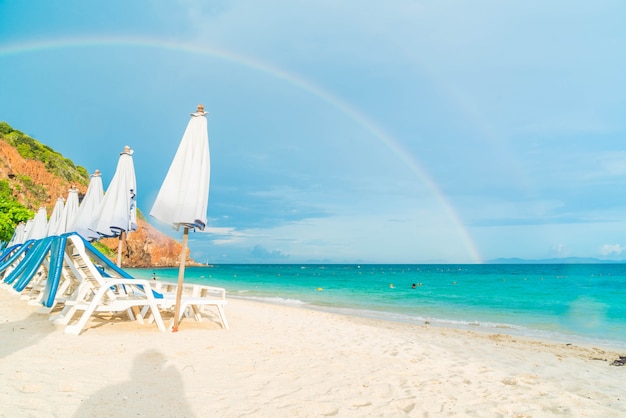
(17, 335)
(153, 390)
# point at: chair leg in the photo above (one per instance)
(78, 327)
(65, 316)
(157, 317)
(137, 312)
(196, 313)
(220, 308)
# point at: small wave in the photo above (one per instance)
(461, 323)
(418, 319)
(276, 300)
(509, 329)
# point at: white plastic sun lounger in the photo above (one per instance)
(114, 295)
(195, 298)
(97, 293)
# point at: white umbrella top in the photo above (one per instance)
(69, 211)
(27, 228)
(118, 210)
(18, 235)
(39, 227)
(55, 218)
(88, 209)
(184, 194)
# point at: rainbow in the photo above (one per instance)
(279, 73)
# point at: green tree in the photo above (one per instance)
(11, 212)
(5, 128)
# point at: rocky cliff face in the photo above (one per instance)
(148, 247)
(34, 186)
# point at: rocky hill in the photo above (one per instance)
(37, 175)
(147, 247)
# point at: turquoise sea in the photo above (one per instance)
(584, 303)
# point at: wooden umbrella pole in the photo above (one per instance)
(119, 249)
(181, 278)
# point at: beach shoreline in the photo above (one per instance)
(519, 333)
(581, 304)
(280, 360)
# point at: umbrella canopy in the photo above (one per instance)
(39, 227)
(184, 194)
(55, 218)
(89, 207)
(118, 209)
(69, 212)
(27, 227)
(18, 235)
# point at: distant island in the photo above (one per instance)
(564, 260)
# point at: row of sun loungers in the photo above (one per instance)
(73, 281)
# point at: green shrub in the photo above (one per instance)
(32, 149)
(11, 213)
(104, 249)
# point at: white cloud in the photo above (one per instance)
(560, 250)
(226, 235)
(611, 249)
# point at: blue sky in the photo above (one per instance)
(396, 132)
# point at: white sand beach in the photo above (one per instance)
(293, 362)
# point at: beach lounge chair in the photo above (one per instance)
(196, 298)
(12, 257)
(38, 270)
(8, 252)
(62, 277)
(114, 295)
(97, 293)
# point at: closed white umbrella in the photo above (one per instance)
(184, 195)
(118, 209)
(89, 207)
(55, 217)
(70, 210)
(27, 227)
(39, 227)
(18, 235)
